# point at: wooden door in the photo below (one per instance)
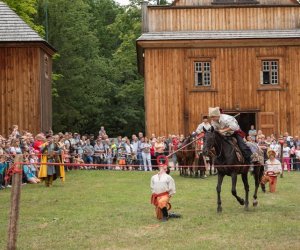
(267, 122)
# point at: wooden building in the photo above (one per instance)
(25, 75)
(240, 55)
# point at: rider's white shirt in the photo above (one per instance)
(226, 121)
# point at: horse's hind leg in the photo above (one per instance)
(246, 186)
(233, 188)
(219, 186)
(257, 178)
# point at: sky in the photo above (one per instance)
(123, 2)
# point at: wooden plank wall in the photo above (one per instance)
(235, 83)
(46, 91)
(164, 99)
(208, 2)
(293, 84)
(234, 18)
(19, 89)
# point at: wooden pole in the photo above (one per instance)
(14, 205)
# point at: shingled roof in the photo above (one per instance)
(14, 29)
(219, 35)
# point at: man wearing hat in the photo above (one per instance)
(162, 188)
(273, 167)
(228, 126)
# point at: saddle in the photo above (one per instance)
(233, 142)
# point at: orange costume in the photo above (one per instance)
(273, 169)
(162, 187)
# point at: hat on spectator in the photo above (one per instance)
(271, 152)
(214, 111)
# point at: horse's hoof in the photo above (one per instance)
(255, 203)
(242, 202)
(219, 210)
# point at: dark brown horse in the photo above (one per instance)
(225, 155)
(186, 156)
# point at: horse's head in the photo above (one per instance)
(209, 141)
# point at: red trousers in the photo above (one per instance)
(272, 182)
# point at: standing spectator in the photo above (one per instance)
(286, 152)
(159, 147)
(102, 132)
(15, 147)
(51, 151)
(252, 132)
(173, 148)
(263, 146)
(145, 147)
(153, 156)
(297, 160)
(88, 151)
(98, 152)
(276, 147)
(259, 135)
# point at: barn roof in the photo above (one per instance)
(219, 35)
(14, 29)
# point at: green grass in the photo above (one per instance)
(111, 210)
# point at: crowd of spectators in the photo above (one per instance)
(122, 153)
(286, 147)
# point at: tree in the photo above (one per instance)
(27, 10)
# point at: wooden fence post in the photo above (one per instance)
(14, 204)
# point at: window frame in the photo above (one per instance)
(270, 70)
(203, 61)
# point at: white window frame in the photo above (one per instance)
(203, 68)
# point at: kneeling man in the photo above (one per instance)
(162, 188)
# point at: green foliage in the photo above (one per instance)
(95, 78)
(27, 10)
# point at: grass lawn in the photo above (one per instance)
(111, 210)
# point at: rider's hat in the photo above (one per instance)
(214, 111)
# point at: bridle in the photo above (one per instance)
(214, 155)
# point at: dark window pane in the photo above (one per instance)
(199, 79)
(266, 77)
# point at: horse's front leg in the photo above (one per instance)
(233, 189)
(219, 186)
(246, 186)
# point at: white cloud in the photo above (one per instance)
(123, 2)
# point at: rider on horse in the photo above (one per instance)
(228, 126)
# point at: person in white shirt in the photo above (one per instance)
(273, 168)
(286, 152)
(162, 188)
(227, 125)
(205, 124)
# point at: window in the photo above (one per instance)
(270, 72)
(202, 74)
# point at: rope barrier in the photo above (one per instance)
(132, 165)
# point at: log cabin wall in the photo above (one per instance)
(175, 105)
(209, 2)
(46, 91)
(223, 18)
(20, 88)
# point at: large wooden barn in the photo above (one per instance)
(25, 75)
(240, 55)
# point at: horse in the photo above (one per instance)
(224, 154)
(186, 156)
